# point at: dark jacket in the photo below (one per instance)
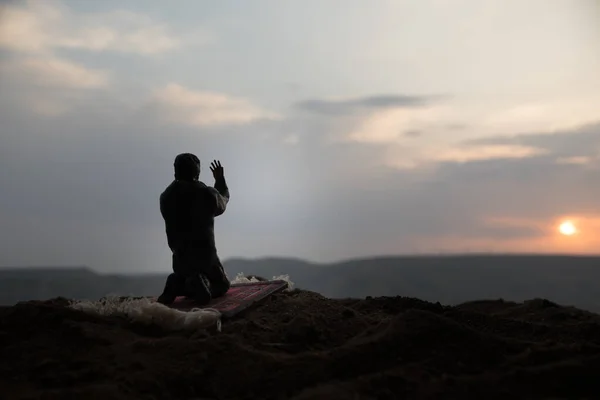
(189, 209)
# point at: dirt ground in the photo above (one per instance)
(301, 345)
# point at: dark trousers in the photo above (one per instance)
(197, 274)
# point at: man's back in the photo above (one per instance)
(188, 209)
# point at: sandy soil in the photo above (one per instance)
(300, 345)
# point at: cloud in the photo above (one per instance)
(395, 125)
(501, 204)
(39, 76)
(579, 160)
(544, 116)
(175, 103)
(398, 211)
(50, 71)
(107, 142)
(478, 153)
(460, 154)
(462, 131)
(474, 121)
(512, 223)
(585, 138)
(124, 32)
(48, 85)
(575, 147)
(40, 27)
(348, 106)
(413, 133)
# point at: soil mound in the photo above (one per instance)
(300, 345)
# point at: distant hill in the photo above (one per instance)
(569, 280)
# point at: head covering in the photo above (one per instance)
(187, 167)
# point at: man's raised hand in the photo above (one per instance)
(217, 169)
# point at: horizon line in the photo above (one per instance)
(331, 263)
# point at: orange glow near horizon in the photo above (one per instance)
(569, 233)
(567, 228)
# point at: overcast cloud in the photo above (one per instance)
(350, 106)
(405, 127)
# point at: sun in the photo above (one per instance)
(567, 228)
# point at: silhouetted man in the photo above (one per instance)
(189, 207)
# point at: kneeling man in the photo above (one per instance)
(189, 207)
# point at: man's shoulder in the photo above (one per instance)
(180, 186)
(168, 189)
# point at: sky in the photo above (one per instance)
(346, 128)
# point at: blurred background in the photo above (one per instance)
(348, 130)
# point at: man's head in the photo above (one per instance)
(187, 167)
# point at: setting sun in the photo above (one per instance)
(567, 228)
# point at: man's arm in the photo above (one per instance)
(221, 194)
(220, 191)
(221, 187)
